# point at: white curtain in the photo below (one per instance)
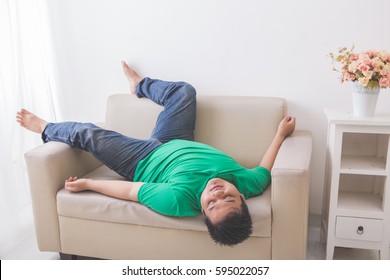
(26, 81)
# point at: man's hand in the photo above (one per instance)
(286, 126)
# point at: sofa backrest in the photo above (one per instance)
(241, 126)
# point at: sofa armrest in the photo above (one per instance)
(290, 197)
(48, 166)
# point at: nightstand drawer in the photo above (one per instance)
(359, 229)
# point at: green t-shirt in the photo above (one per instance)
(176, 173)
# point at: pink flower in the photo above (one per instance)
(367, 61)
(374, 63)
(384, 72)
(348, 76)
(384, 82)
(371, 54)
(363, 67)
(354, 56)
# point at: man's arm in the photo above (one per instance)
(286, 127)
(118, 189)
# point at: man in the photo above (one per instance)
(169, 173)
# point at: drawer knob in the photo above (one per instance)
(360, 230)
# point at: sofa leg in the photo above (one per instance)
(67, 256)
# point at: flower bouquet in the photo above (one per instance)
(370, 68)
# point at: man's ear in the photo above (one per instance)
(242, 198)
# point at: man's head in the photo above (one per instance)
(227, 216)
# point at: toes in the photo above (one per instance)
(20, 118)
(20, 114)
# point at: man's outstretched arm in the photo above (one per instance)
(286, 127)
(119, 189)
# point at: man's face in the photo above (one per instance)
(219, 199)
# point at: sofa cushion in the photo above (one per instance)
(93, 206)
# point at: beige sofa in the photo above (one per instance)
(94, 225)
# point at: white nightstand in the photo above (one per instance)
(356, 209)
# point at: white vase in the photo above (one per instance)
(364, 100)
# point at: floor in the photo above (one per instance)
(23, 246)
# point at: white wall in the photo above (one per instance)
(226, 47)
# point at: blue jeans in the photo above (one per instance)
(121, 153)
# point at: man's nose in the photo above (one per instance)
(218, 193)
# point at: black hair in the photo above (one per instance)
(234, 229)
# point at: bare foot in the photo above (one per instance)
(30, 121)
(76, 185)
(131, 76)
